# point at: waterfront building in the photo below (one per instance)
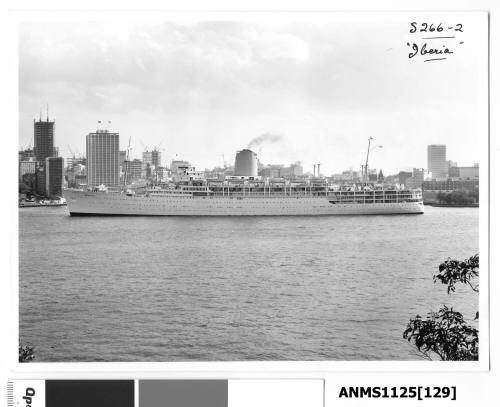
(419, 175)
(26, 167)
(293, 171)
(44, 139)
(27, 177)
(53, 176)
(451, 185)
(103, 167)
(346, 176)
(436, 161)
(464, 173)
(271, 171)
(40, 178)
(279, 171)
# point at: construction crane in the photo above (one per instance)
(157, 147)
(71, 151)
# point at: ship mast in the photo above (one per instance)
(367, 154)
(126, 164)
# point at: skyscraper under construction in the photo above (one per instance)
(44, 139)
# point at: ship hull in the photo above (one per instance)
(81, 203)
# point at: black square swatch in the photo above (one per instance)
(89, 393)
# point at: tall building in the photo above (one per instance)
(103, 166)
(44, 140)
(152, 157)
(436, 161)
(53, 176)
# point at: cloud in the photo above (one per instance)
(272, 45)
(218, 84)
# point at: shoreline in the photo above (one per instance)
(451, 205)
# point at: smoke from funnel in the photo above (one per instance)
(266, 138)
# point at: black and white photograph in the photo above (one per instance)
(260, 187)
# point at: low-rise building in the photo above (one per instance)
(26, 167)
(464, 173)
(280, 171)
(179, 166)
(403, 176)
(451, 185)
(27, 155)
(419, 175)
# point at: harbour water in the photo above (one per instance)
(245, 288)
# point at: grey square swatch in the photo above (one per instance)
(183, 393)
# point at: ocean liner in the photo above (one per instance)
(244, 197)
(245, 193)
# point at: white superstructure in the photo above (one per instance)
(246, 199)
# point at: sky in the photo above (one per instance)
(309, 91)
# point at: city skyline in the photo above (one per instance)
(157, 152)
(206, 89)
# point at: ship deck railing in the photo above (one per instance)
(376, 196)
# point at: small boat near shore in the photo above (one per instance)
(36, 204)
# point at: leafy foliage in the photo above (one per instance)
(26, 353)
(458, 197)
(453, 271)
(446, 333)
